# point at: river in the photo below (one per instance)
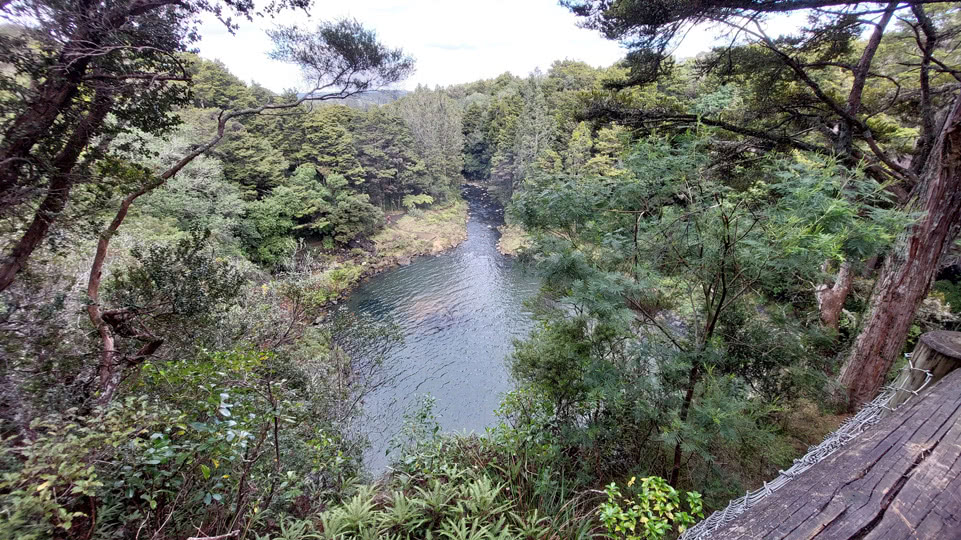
(458, 314)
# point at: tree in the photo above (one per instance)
(435, 122)
(316, 205)
(353, 217)
(668, 277)
(910, 268)
(505, 112)
(793, 104)
(385, 149)
(609, 147)
(351, 61)
(251, 162)
(73, 63)
(579, 148)
(169, 293)
(120, 58)
(535, 128)
(566, 85)
(196, 199)
(284, 132)
(329, 145)
(213, 86)
(477, 150)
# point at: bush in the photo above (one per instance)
(354, 217)
(450, 503)
(951, 293)
(413, 201)
(651, 513)
(222, 442)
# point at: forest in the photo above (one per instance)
(736, 250)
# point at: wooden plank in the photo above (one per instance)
(929, 504)
(937, 354)
(900, 479)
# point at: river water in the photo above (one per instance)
(458, 314)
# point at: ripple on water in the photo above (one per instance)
(458, 313)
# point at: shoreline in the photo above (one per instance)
(413, 234)
(513, 240)
(407, 236)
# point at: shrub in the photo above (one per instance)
(451, 502)
(651, 513)
(413, 201)
(223, 442)
(951, 293)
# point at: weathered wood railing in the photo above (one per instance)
(899, 479)
(937, 354)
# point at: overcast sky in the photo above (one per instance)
(453, 41)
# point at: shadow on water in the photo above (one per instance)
(458, 314)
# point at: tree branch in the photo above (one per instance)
(231, 534)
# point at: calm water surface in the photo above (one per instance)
(458, 313)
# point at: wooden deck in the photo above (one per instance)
(901, 479)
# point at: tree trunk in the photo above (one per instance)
(60, 86)
(54, 96)
(831, 298)
(936, 354)
(685, 412)
(910, 267)
(113, 366)
(58, 192)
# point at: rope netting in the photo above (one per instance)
(869, 415)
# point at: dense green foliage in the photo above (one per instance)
(655, 513)
(323, 175)
(678, 339)
(210, 392)
(517, 128)
(676, 325)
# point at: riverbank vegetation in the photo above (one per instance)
(735, 250)
(513, 239)
(422, 232)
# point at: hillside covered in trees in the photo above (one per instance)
(736, 250)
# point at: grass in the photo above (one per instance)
(425, 232)
(339, 279)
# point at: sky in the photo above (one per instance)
(452, 41)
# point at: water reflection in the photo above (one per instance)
(458, 313)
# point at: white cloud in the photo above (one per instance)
(453, 41)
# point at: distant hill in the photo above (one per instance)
(373, 98)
